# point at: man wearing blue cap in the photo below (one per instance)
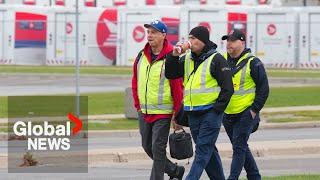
(156, 99)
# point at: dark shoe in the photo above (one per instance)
(179, 173)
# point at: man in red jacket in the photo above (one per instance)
(156, 99)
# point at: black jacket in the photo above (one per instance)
(174, 68)
(259, 76)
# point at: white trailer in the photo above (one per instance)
(97, 36)
(132, 34)
(274, 34)
(309, 37)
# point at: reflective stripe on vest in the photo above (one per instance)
(201, 90)
(154, 91)
(244, 88)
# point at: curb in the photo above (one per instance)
(259, 149)
(118, 116)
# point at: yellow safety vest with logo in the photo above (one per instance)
(244, 88)
(154, 91)
(201, 90)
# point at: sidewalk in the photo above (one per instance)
(128, 154)
(259, 149)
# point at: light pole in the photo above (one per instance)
(77, 61)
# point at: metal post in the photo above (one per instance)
(77, 61)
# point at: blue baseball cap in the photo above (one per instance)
(158, 25)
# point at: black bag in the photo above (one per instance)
(182, 118)
(180, 145)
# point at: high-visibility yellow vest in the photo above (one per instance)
(200, 89)
(153, 87)
(244, 88)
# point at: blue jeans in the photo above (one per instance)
(239, 128)
(205, 129)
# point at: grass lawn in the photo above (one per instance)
(299, 116)
(115, 124)
(293, 177)
(67, 69)
(113, 103)
(293, 73)
(98, 103)
(293, 96)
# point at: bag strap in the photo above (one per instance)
(240, 65)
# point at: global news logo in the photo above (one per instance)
(46, 136)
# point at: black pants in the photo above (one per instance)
(154, 142)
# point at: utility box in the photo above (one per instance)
(274, 32)
(309, 44)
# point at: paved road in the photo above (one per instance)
(261, 135)
(39, 84)
(274, 166)
(35, 84)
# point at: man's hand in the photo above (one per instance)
(175, 126)
(253, 114)
(175, 51)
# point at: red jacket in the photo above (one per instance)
(176, 85)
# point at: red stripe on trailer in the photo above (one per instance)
(263, 1)
(203, 1)
(150, 2)
(177, 1)
(60, 2)
(29, 2)
(90, 3)
(233, 2)
(119, 2)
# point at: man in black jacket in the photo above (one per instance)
(208, 88)
(251, 90)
